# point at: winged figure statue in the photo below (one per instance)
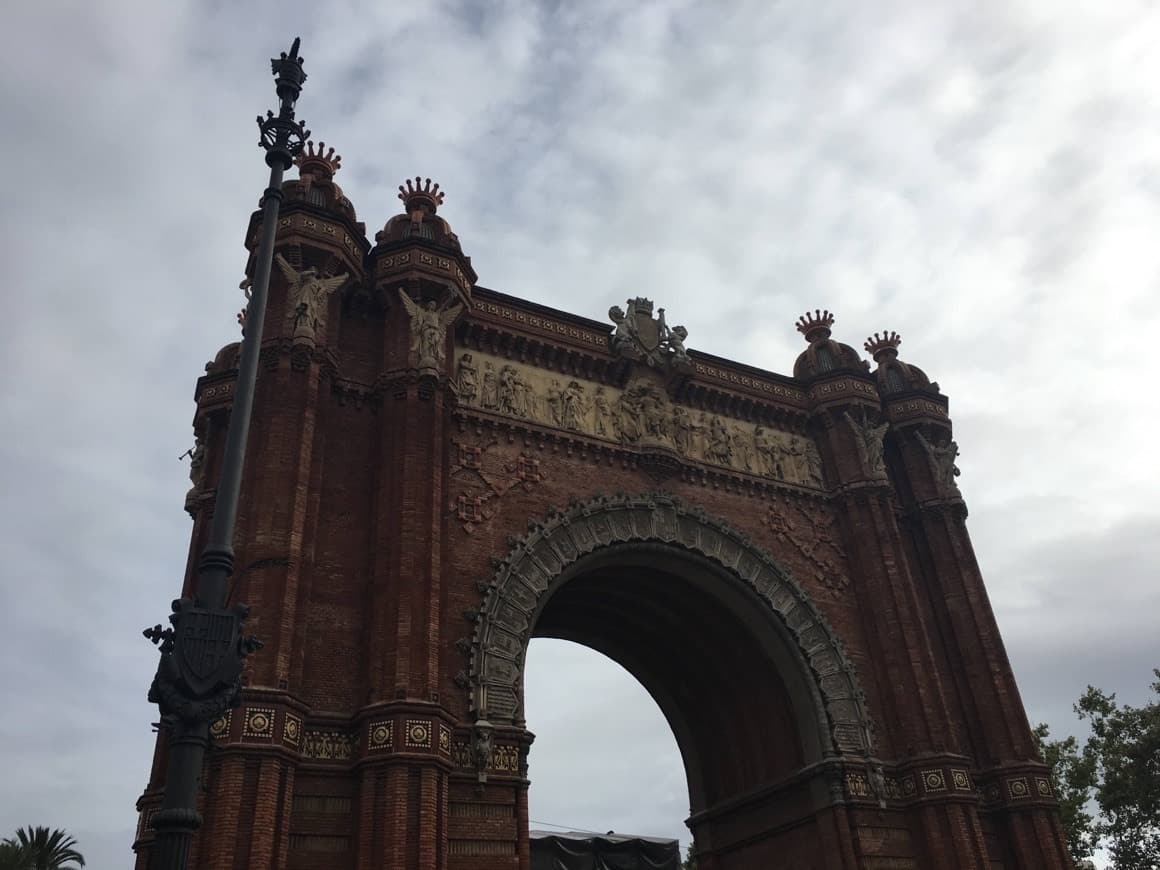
(307, 297)
(428, 327)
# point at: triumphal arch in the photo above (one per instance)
(439, 472)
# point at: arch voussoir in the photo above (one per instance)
(505, 620)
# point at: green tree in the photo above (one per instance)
(1073, 779)
(13, 857)
(1124, 751)
(48, 850)
(690, 858)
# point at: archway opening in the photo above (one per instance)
(605, 758)
(705, 650)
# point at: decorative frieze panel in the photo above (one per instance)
(327, 745)
(502, 759)
(639, 415)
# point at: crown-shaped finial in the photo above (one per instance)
(320, 161)
(421, 197)
(815, 326)
(884, 345)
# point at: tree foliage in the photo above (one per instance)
(1124, 750)
(40, 849)
(1072, 779)
(690, 862)
(1119, 766)
(13, 856)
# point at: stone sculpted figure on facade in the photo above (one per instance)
(197, 462)
(641, 412)
(814, 463)
(574, 406)
(720, 443)
(870, 446)
(428, 329)
(682, 430)
(306, 297)
(489, 398)
(796, 460)
(556, 402)
(508, 402)
(602, 413)
(482, 742)
(942, 463)
(523, 396)
(623, 337)
(468, 379)
(743, 448)
(640, 336)
(765, 443)
(676, 341)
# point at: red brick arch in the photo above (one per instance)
(657, 532)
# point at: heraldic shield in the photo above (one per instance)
(206, 647)
(645, 328)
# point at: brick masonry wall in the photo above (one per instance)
(373, 508)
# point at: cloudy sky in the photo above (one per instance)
(983, 177)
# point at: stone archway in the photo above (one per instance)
(769, 661)
(543, 556)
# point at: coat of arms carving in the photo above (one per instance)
(640, 336)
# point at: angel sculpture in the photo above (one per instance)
(428, 328)
(307, 297)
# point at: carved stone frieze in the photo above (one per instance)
(326, 745)
(504, 626)
(641, 415)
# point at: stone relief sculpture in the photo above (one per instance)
(639, 335)
(942, 463)
(743, 448)
(556, 402)
(197, 461)
(768, 450)
(602, 413)
(490, 396)
(870, 446)
(641, 413)
(307, 296)
(467, 379)
(720, 443)
(574, 407)
(814, 464)
(623, 337)
(482, 743)
(428, 329)
(196, 455)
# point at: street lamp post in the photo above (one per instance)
(202, 653)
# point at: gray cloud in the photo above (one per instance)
(983, 180)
